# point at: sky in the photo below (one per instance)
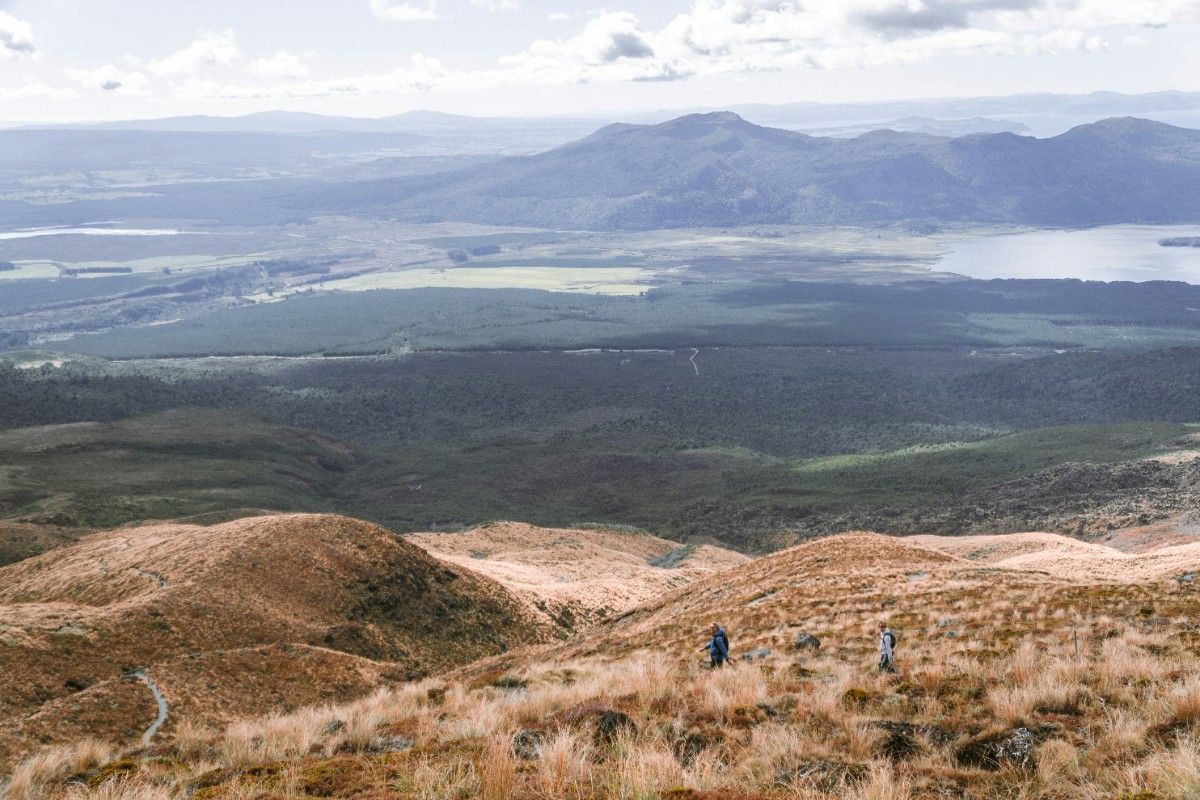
(76, 60)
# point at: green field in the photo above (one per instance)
(924, 472)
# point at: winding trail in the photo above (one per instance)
(163, 709)
(695, 366)
(157, 577)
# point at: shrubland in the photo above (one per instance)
(799, 440)
(1011, 684)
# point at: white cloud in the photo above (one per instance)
(281, 65)
(558, 16)
(498, 5)
(712, 37)
(210, 49)
(16, 37)
(404, 12)
(611, 43)
(729, 36)
(421, 73)
(1065, 41)
(113, 78)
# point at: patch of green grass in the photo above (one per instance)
(913, 473)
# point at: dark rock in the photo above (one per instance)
(610, 725)
(332, 727)
(806, 641)
(526, 744)
(1013, 748)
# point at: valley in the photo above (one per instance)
(415, 457)
(765, 447)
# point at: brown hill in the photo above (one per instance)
(574, 578)
(819, 586)
(1159, 553)
(236, 618)
(1011, 683)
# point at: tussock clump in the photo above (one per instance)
(34, 777)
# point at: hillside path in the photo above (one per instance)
(161, 701)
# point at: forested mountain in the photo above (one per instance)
(718, 169)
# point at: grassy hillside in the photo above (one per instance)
(260, 613)
(574, 578)
(1010, 684)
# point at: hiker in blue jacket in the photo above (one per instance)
(718, 647)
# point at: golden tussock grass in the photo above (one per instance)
(1091, 691)
(31, 778)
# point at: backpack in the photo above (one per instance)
(892, 637)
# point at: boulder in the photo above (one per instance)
(1015, 748)
(610, 724)
(526, 744)
(806, 641)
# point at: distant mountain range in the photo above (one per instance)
(462, 134)
(298, 122)
(1042, 114)
(718, 170)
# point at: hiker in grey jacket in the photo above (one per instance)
(718, 647)
(887, 644)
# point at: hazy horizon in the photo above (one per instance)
(600, 113)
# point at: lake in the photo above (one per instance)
(32, 233)
(1112, 253)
